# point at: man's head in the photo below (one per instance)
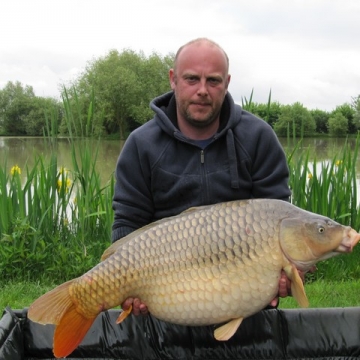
(200, 81)
(200, 41)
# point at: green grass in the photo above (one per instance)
(21, 294)
(323, 294)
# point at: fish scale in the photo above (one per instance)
(209, 265)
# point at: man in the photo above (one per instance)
(200, 148)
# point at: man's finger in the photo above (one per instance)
(283, 288)
(143, 309)
(127, 303)
(136, 306)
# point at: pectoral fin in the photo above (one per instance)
(123, 315)
(225, 332)
(297, 286)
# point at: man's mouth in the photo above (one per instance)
(201, 104)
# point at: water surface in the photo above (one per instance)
(22, 151)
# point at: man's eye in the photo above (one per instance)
(191, 79)
(214, 81)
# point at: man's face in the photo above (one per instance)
(200, 81)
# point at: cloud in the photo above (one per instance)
(303, 51)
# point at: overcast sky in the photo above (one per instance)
(303, 50)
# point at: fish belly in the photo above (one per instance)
(192, 298)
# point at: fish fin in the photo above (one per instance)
(119, 243)
(70, 331)
(297, 286)
(190, 210)
(225, 332)
(123, 315)
(110, 250)
(193, 209)
(56, 307)
(50, 307)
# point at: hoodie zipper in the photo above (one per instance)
(202, 156)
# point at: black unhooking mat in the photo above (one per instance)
(271, 334)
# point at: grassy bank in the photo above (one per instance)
(324, 293)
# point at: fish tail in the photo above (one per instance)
(56, 307)
(71, 330)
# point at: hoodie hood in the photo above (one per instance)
(164, 107)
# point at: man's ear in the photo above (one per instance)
(228, 81)
(172, 79)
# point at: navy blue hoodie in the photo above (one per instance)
(160, 172)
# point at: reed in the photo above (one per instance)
(329, 188)
(54, 220)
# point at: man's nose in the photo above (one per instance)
(202, 89)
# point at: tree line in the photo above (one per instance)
(118, 88)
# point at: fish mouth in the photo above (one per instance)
(350, 239)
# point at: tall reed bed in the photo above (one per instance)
(329, 188)
(54, 221)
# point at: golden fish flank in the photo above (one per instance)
(208, 265)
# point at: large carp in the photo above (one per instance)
(208, 265)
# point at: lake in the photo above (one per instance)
(23, 150)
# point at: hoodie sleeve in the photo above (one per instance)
(270, 172)
(132, 201)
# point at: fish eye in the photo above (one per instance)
(321, 229)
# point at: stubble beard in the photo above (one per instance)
(202, 122)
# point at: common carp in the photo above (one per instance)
(208, 265)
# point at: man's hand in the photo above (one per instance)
(284, 287)
(138, 307)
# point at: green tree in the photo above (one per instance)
(123, 85)
(15, 105)
(115, 87)
(338, 124)
(356, 107)
(23, 113)
(348, 112)
(154, 75)
(295, 120)
(321, 118)
(268, 112)
(35, 120)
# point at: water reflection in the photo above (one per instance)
(23, 151)
(321, 148)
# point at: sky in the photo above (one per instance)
(303, 51)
